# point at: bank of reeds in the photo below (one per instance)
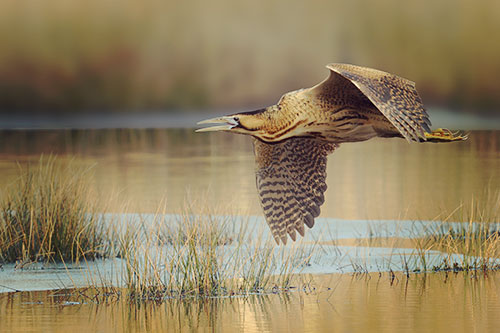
(48, 214)
(204, 254)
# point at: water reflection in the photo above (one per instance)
(378, 179)
(437, 302)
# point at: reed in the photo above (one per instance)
(469, 237)
(49, 214)
(204, 254)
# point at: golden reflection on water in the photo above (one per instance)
(428, 303)
(377, 179)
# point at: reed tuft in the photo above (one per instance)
(469, 238)
(48, 214)
(204, 254)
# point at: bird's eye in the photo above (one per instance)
(236, 119)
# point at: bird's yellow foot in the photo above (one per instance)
(445, 135)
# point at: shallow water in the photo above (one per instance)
(365, 303)
(377, 179)
(332, 246)
(388, 182)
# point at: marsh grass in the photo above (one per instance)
(48, 214)
(471, 244)
(200, 253)
(203, 253)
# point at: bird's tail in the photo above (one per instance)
(445, 135)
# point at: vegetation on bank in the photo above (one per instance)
(49, 214)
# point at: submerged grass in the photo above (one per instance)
(48, 214)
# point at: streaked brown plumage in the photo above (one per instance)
(293, 138)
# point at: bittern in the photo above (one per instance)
(293, 138)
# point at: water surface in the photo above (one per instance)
(364, 303)
(377, 179)
(384, 181)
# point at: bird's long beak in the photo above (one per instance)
(229, 122)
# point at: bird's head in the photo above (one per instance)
(250, 123)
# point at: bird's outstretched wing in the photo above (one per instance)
(395, 97)
(290, 178)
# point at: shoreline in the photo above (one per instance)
(175, 119)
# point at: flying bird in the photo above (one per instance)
(293, 138)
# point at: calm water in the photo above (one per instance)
(377, 179)
(339, 303)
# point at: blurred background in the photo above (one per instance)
(72, 57)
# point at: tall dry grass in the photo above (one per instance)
(49, 214)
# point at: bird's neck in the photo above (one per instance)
(278, 123)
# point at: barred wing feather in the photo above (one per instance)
(290, 179)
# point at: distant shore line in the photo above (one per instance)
(188, 119)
